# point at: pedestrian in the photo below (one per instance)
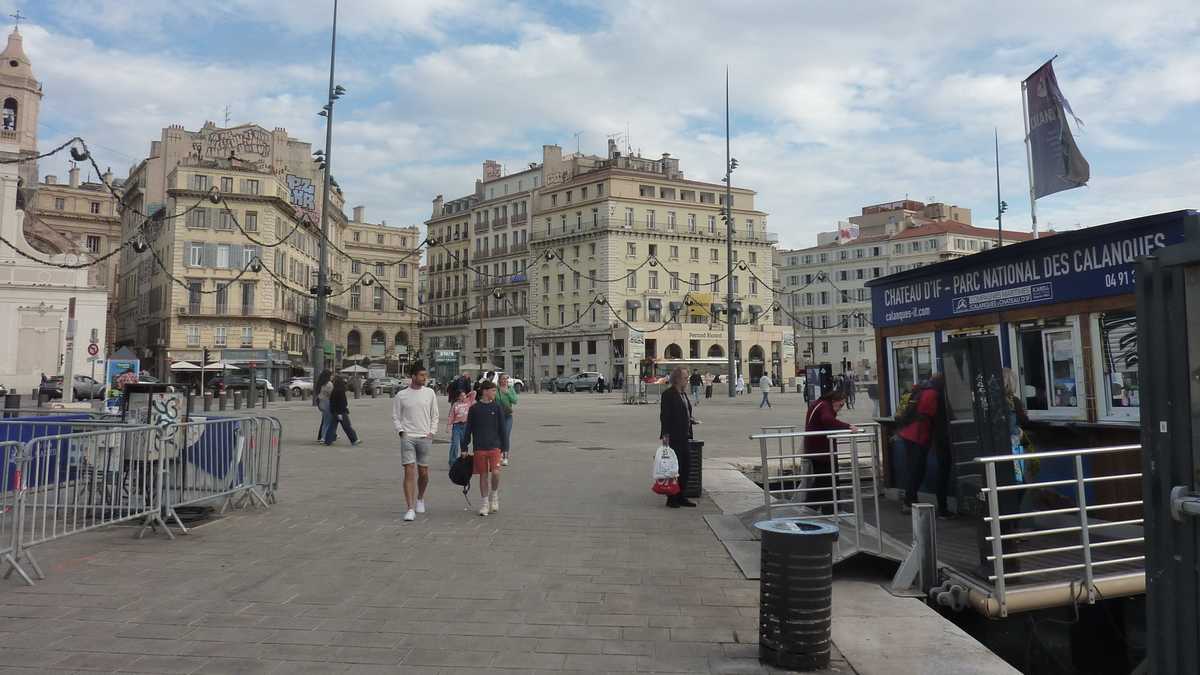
(600, 384)
(506, 396)
(740, 385)
(485, 433)
(323, 388)
(696, 382)
(461, 383)
(458, 422)
(414, 414)
(822, 416)
(675, 430)
(764, 383)
(339, 411)
(921, 435)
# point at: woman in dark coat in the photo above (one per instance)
(822, 416)
(675, 429)
(339, 409)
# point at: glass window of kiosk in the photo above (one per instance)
(1115, 350)
(1049, 362)
(910, 360)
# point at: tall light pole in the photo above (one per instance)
(730, 163)
(322, 290)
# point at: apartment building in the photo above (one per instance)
(381, 324)
(638, 251)
(446, 305)
(210, 294)
(829, 305)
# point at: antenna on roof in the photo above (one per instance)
(577, 135)
(226, 114)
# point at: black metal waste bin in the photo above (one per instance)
(695, 471)
(796, 593)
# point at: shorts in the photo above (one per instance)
(415, 450)
(487, 461)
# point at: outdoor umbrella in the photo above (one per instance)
(184, 365)
(355, 369)
(221, 365)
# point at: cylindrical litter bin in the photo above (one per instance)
(695, 475)
(796, 593)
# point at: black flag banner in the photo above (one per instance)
(1055, 160)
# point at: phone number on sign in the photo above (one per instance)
(1119, 279)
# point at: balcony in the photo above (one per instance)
(442, 322)
(499, 281)
(481, 228)
(519, 219)
(228, 311)
(557, 231)
(518, 248)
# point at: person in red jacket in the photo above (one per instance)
(918, 438)
(822, 416)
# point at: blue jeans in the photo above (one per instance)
(326, 418)
(508, 433)
(457, 434)
(331, 430)
(765, 401)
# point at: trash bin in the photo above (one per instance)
(695, 470)
(796, 593)
(708, 391)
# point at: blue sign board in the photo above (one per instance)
(1091, 263)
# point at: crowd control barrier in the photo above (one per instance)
(58, 482)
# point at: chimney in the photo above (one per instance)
(437, 206)
(51, 180)
(358, 214)
(74, 174)
(612, 148)
(491, 170)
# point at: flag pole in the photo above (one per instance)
(1029, 158)
(999, 204)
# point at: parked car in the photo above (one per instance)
(237, 383)
(494, 377)
(387, 385)
(585, 381)
(299, 386)
(85, 388)
(148, 378)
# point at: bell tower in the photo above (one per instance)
(20, 99)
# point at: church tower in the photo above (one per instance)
(20, 99)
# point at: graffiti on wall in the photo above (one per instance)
(240, 142)
(303, 195)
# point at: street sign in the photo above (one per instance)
(93, 349)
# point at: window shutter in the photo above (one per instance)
(210, 255)
(235, 257)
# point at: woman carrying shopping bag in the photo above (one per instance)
(675, 430)
(339, 409)
(506, 396)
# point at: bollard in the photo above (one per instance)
(221, 399)
(250, 397)
(287, 394)
(237, 400)
(795, 611)
(269, 397)
(208, 398)
(374, 392)
(695, 475)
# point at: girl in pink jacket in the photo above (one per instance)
(458, 422)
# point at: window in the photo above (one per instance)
(858, 253)
(631, 250)
(753, 258)
(583, 192)
(674, 250)
(1116, 333)
(845, 346)
(691, 223)
(628, 217)
(194, 289)
(842, 255)
(198, 218)
(357, 236)
(671, 221)
(933, 244)
(193, 335)
(631, 281)
(553, 200)
(591, 278)
(911, 360)
(714, 254)
(562, 283)
(859, 273)
(380, 270)
(379, 239)
(546, 284)
(220, 336)
(403, 270)
(631, 314)
(712, 223)
(650, 219)
(224, 220)
(562, 314)
(591, 249)
(401, 297)
(60, 204)
(247, 336)
(575, 279)
(735, 285)
(898, 248)
(93, 243)
(568, 196)
(914, 246)
(652, 280)
(195, 254)
(712, 281)
(355, 267)
(824, 347)
(95, 207)
(251, 221)
(226, 185)
(694, 281)
(200, 182)
(1049, 366)
(222, 256)
(694, 254)
(674, 281)
(753, 286)
(842, 275)
(599, 189)
(355, 297)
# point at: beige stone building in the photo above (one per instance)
(446, 303)
(827, 300)
(210, 295)
(637, 233)
(381, 324)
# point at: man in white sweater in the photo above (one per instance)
(415, 415)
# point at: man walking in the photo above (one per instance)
(485, 433)
(415, 414)
(764, 383)
(696, 382)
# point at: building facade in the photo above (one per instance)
(381, 324)
(197, 285)
(626, 251)
(827, 301)
(446, 305)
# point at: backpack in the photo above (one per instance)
(908, 403)
(461, 472)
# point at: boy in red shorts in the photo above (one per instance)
(485, 434)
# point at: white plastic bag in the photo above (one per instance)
(666, 464)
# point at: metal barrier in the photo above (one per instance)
(10, 517)
(1075, 523)
(850, 473)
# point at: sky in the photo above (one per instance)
(834, 106)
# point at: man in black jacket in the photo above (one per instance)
(675, 429)
(485, 433)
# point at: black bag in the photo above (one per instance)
(461, 472)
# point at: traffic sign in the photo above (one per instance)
(93, 349)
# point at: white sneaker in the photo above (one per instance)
(483, 511)
(495, 505)
(504, 461)
(409, 516)
(420, 506)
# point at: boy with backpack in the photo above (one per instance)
(919, 425)
(485, 433)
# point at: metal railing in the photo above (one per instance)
(1067, 530)
(59, 481)
(849, 473)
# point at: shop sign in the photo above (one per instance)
(445, 355)
(1077, 269)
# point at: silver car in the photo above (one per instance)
(299, 386)
(585, 381)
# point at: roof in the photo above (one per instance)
(955, 227)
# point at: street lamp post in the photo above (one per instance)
(730, 164)
(325, 161)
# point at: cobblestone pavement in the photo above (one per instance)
(582, 570)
